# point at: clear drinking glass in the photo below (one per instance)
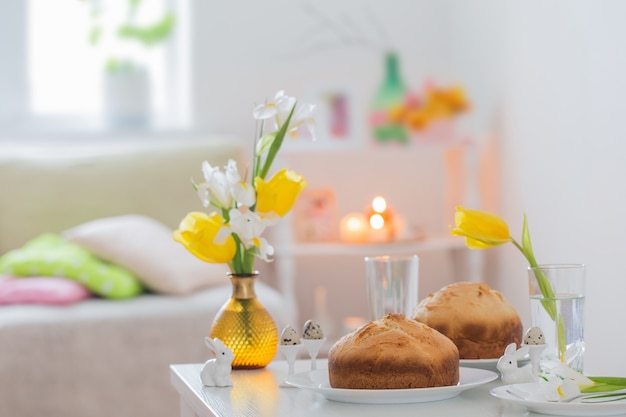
(392, 284)
(560, 314)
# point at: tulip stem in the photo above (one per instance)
(548, 302)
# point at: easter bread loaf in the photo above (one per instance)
(478, 319)
(393, 353)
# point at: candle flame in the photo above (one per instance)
(379, 204)
(377, 221)
(354, 223)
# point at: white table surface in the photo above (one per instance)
(257, 393)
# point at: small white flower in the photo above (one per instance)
(244, 194)
(279, 109)
(302, 119)
(568, 390)
(218, 186)
(264, 248)
(222, 235)
(554, 388)
(232, 173)
(559, 382)
(281, 105)
(565, 372)
(248, 225)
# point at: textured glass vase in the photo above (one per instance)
(245, 326)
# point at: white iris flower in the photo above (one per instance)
(279, 109)
(249, 227)
(217, 188)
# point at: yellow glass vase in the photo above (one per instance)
(245, 326)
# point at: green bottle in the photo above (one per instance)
(391, 93)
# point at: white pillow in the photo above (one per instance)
(146, 247)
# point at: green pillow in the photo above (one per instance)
(50, 255)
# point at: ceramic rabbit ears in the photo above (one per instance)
(216, 345)
(512, 350)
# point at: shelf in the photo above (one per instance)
(364, 249)
(465, 263)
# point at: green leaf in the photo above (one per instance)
(602, 388)
(94, 35)
(276, 144)
(112, 65)
(614, 380)
(148, 35)
(605, 384)
(527, 247)
(560, 329)
(265, 143)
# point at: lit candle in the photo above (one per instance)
(381, 221)
(353, 228)
(379, 205)
(377, 221)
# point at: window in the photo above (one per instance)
(64, 50)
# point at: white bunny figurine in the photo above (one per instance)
(216, 372)
(507, 365)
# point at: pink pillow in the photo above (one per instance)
(41, 290)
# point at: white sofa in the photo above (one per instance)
(102, 357)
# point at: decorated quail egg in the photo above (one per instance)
(534, 336)
(289, 336)
(312, 330)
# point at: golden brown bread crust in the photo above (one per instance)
(479, 320)
(393, 353)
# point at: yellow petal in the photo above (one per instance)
(197, 233)
(279, 194)
(481, 229)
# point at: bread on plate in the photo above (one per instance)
(478, 319)
(393, 352)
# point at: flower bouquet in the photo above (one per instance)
(232, 232)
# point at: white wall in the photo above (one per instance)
(563, 153)
(547, 77)
(247, 50)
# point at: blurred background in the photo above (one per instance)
(542, 137)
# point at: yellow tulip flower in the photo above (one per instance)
(279, 194)
(198, 232)
(480, 229)
(484, 230)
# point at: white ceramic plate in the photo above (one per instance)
(556, 408)
(489, 364)
(317, 381)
